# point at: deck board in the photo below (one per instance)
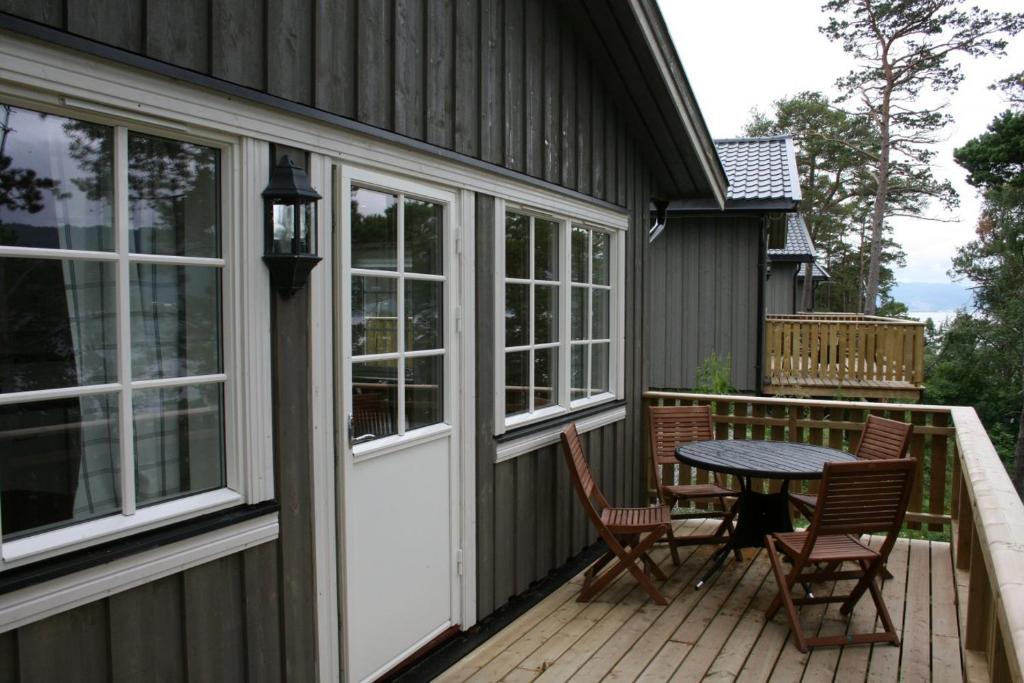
(720, 634)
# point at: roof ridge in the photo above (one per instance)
(756, 138)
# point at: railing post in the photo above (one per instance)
(979, 601)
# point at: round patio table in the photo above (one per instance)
(758, 514)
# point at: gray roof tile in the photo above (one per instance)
(798, 239)
(760, 168)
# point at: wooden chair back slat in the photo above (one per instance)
(582, 478)
(863, 497)
(673, 425)
(883, 439)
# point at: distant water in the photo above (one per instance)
(938, 317)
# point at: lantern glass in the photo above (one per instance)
(294, 228)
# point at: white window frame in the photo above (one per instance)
(246, 382)
(564, 404)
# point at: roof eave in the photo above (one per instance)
(652, 24)
(735, 206)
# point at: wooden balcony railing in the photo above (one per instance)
(961, 489)
(843, 355)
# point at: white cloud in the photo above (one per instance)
(742, 54)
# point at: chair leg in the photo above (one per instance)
(626, 562)
(672, 546)
(783, 597)
(866, 581)
(727, 528)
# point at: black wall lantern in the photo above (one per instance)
(290, 240)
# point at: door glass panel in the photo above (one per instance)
(601, 258)
(424, 391)
(580, 313)
(424, 314)
(374, 315)
(424, 243)
(580, 264)
(375, 398)
(374, 230)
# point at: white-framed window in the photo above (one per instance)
(121, 330)
(558, 322)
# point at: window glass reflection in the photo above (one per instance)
(56, 182)
(374, 230)
(374, 399)
(173, 191)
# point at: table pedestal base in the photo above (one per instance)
(759, 514)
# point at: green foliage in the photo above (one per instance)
(714, 375)
(996, 157)
(903, 51)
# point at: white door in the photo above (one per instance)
(398, 401)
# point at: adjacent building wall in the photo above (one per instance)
(780, 293)
(702, 288)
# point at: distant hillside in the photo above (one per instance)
(932, 296)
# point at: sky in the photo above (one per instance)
(745, 54)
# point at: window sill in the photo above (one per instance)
(549, 434)
(78, 536)
(53, 590)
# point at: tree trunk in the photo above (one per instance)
(808, 293)
(881, 193)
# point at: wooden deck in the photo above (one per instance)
(719, 633)
(823, 387)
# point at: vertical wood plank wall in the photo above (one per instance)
(702, 281)
(780, 290)
(504, 81)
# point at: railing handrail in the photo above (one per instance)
(810, 402)
(845, 319)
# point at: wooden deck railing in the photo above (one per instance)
(961, 488)
(843, 355)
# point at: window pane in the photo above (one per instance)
(175, 320)
(56, 182)
(374, 399)
(601, 305)
(173, 188)
(374, 315)
(580, 264)
(424, 315)
(374, 230)
(424, 244)
(602, 257)
(545, 323)
(599, 360)
(517, 246)
(179, 441)
(58, 323)
(59, 463)
(545, 378)
(580, 313)
(517, 315)
(545, 239)
(517, 382)
(578, 372)
(424, 391)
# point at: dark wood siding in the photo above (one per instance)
(528, 519)
(780, 292)
(197, 625)
(506, 81)
(703, 293)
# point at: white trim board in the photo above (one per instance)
(59, 595)
(532, 442)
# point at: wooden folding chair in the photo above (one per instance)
(629, 532)
(669, 427)
(856, 498)
(881, 439)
